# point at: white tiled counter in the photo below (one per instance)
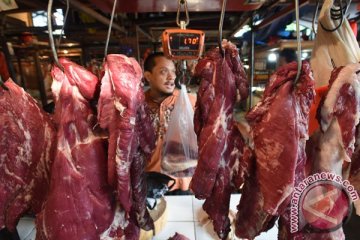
(185, 216)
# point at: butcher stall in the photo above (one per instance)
(159, 119)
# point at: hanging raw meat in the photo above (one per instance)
(355, 171)
(279, 125)
(338, 115)
(178, 236)
(220, 143)
(331, 148)
(79, 204)
(339, 46)
(122, 112)
(27, 143)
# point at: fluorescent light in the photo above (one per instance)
(66, 51)
(242, 30)
(272, 57)
(259, 88)
(292, 27)
(304, 55)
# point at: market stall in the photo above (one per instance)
(218, 119)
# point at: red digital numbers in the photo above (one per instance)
(191, 41)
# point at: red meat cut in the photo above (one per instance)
(331, 148)
(279, 124)
(221, 145)
(122, 111)
(178, 236)
(79, 204)
(213, 117)
(27, 143)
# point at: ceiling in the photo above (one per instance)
(172, 6)
(143, 21)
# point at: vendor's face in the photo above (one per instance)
(162, 77)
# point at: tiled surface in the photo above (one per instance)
(185, 228)
(269, 235)
(199, 213)
(179, 208)
(26, 228)
(234, 201)
(185, 216)
(201, 225)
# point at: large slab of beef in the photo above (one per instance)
(220, 143)
(79, 204)
(279, 125)
(122, 112)
(331, 148)
(27, 143)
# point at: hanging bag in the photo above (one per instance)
(180, 151)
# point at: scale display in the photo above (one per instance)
(183, 44)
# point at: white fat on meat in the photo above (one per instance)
(122, 166)
(270, 150)
(55, 89)
(8, 172)
(43, 168)
(64, 147)
(332, 152)
(121, 108)
(222, 119)
(286, 191)
(25, 150)
(119, 221)
(347, 75)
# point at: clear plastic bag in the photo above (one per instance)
(180, 151)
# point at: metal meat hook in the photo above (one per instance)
(51, 37)
(299, 63)
(182, 24)
(222, 51)
(109, 31)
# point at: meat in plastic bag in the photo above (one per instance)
(180, 151)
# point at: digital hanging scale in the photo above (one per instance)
(183, 44)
